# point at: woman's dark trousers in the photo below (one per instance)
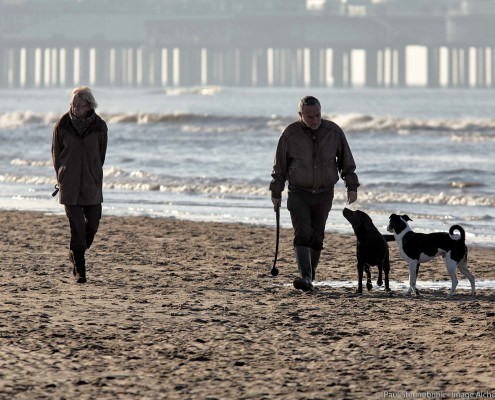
(84, 222)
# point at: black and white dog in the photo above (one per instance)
(371, 248)
(416, 248)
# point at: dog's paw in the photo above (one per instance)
(379, 282)
(369, 286)
(359, 290)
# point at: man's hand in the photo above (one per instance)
(276, 203)
(351, 197)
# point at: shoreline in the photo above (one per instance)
(188, 310)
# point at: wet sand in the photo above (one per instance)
(182, 310)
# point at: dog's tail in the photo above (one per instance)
(459, 228)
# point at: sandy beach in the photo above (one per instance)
(183, 310)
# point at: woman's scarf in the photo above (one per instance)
(81, 124)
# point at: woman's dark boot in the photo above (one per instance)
(80, 262)
(73, 262)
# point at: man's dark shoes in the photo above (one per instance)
(303, 284)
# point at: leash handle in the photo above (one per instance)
(56, 190)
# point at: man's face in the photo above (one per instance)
(311, 116)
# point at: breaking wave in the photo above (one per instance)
(31, 163)
(117, 179)
(484, 128)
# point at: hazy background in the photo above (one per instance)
(330, 43)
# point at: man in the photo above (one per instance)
(310, 155)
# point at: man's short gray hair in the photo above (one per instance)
(86, 95)
(308, 101)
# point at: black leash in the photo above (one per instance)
(274, 270)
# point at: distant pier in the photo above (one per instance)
(219, 42)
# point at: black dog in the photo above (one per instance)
(371, 248)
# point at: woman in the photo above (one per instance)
(78, 152)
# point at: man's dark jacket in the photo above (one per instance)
(312, 160)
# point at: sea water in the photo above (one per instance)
(205, 154)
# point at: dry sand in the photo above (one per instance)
(182, 310)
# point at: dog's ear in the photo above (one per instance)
(406, 217)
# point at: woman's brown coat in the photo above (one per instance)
(78, 161)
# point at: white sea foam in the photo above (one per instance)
(15, 119)
(426, 198)
(139, 180)
(31, 163)
(478, 129)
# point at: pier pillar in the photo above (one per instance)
(15, 67)
(246, 67)
(131, 66)
(317, 67)
(69, 66)
(210, 67)
(480, 67)
(492, 71)
(453, 70)
(118, 58)
(44, 60)
(371, 76)
(229, 67)
(261, 67)
(170, 66)
(401, 67)
(189, 66)
(155, 62)
(55, 67)
(347, 65)
(461, 64)
(125, 66)
(300, 67)
(337, 68)
(102, 66)
(381, 68)
(289, 73)
(433, 67)
(394, 67)
(277, 67)
(30, 67)
(83, 65)
(466, 70)
(3, 66)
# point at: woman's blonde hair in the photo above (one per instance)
(86, 95)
